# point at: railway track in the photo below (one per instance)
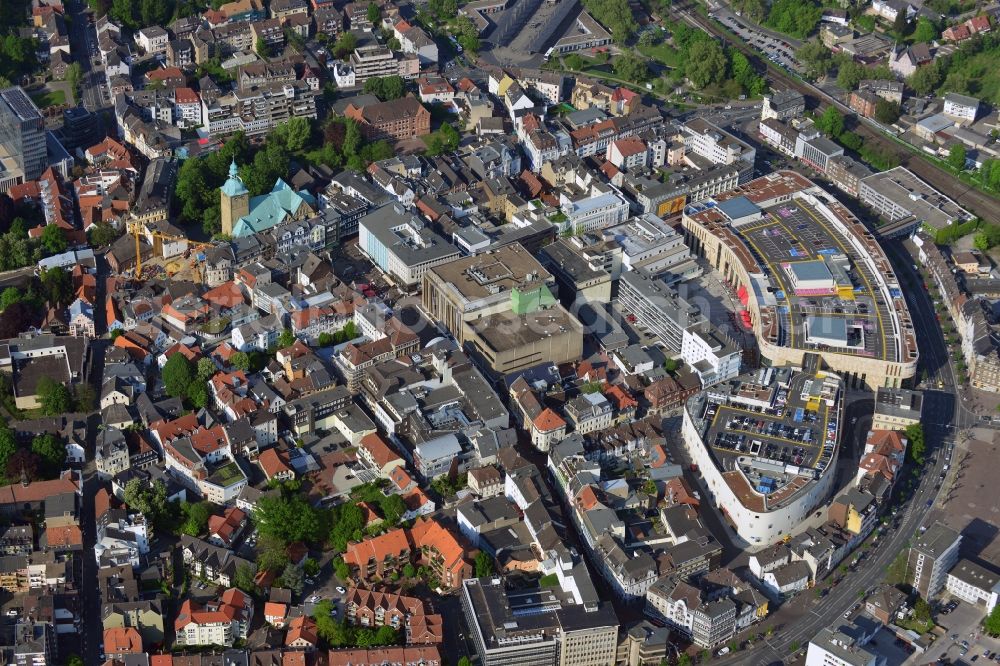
(975, 201)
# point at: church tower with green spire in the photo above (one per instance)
(235, 200)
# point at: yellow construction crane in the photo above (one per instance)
(138, 232)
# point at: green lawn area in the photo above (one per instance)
(50, 98)
(552, 580)
(227, 475)
(663, 53)
(215, 326)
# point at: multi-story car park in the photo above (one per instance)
(812, 277)
(767, 446)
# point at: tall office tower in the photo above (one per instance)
(22, 138)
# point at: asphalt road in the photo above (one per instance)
(83, 40)
(943, 407)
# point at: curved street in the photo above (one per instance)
(948, 418)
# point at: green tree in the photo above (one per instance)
(244, 579)
(851, 141)
(51, 450)
(794, 17)
(346, 42)
(831, 122)
(373, 13)
(8, 444)
(916, 446)
(57, 286)
(982, 243)
(992, 622)
(272, 555)
(294, 134)
(671, 365)
(341, 569)
(816, 58)
(177, 375)
(386, 635)
(293, 578)
(263, 50)
(287, 519)
(54, 397)
(240, 361)
(957, 156)
(197, 394)
(206, 369)
(922, 610)
(443, 10)
(684, 659)
(196, 517)
(286, 339)
(10, 296)
(53, 239)
(337, 633)
(74, 660)
(616, 15)
(484, 564)
(705, 64)
(886, 112)
(409, 570)
(926, 79)
(123, 11)
(267, 167)
(348, 521)
(386, 88)
(102, 234)
(467, 34)
(632, 67)
(925, 31)
(393, 507)
(849, 74)
(464, 661)
(148, 499)
(901, 25)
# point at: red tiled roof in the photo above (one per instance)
(379, 449)
(63, 537)
(621, 398)
(273, 463)
(186, 96)
(226, 295)
(548, 420)
(400, 477)
(586, 499)
(165, 73)
(37, 490)
(273, 609)
(225, 526)
(302, 628)
(630, 146)
(122, 640)
(378, 548)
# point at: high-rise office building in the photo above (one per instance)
(22, 138)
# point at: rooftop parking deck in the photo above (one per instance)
(775, 437)
(792, 242)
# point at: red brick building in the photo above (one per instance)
(394, 120)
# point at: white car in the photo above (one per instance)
(313, 599)
(340, 588)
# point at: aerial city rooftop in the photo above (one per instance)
(510, 332)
